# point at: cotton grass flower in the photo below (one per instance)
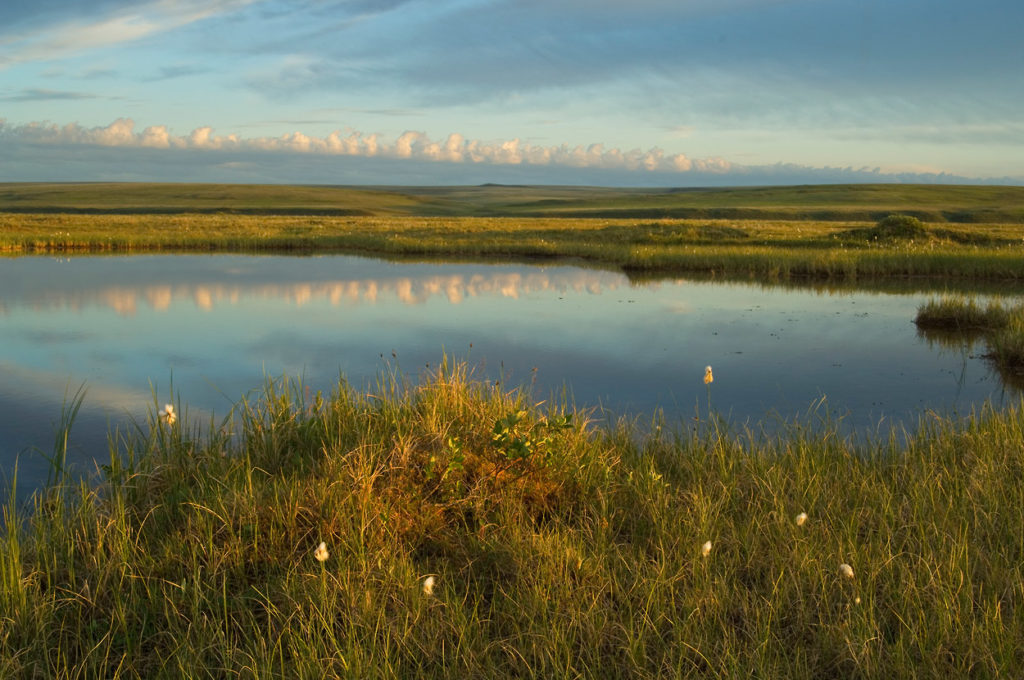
(167, 414)
(428, 586)
(800, 519)
(846, 570)
(708, 376)
(705, 549)
(321, 553)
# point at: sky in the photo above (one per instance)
(596, 92)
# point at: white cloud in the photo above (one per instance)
(410, 145)
(123, 25)
(155, 137)
(120, 152)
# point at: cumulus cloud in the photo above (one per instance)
(122, 152)
(414, 145)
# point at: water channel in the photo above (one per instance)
(217, 326)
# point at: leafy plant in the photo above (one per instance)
(518, 441)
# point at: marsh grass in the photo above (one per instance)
(558, 548)
(999, 323)
(961, 313)
(770, 250)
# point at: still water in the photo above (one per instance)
(217, 326)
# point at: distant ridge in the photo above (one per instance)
(849, 202)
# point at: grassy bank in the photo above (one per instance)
(772, 249)
(556, 549)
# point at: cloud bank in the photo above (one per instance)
(122, 152)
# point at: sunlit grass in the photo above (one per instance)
(769, 250)
(469, 531)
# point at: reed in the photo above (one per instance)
(556, 548)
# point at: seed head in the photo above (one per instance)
(428, 586)
(705, 549)
(708, 377)
(801, 518)
(167, 414)
(321, 553)
(846, 570)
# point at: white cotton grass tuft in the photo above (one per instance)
(846, 570)
(428, 585)
(708, 376)
(800, 519)
(321, 553)
(705, 549)
(167, 414)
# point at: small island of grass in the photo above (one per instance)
(999, 323)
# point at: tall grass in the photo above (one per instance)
(558, 548)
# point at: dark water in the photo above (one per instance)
(126, 327)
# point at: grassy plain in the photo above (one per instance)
(556, 549)
(778, 233)
(847, 202)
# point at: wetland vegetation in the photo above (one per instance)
(833, 233)
(553, 546)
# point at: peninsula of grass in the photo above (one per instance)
(451, 528)
(782, 233)
(1000, 324)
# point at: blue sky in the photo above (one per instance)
(606, 92)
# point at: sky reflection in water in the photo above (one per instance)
(218, 325)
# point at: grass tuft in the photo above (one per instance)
(963, 314)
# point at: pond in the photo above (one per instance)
(213, 328)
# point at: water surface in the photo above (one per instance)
(217, 326)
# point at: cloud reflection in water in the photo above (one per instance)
(455, 288)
